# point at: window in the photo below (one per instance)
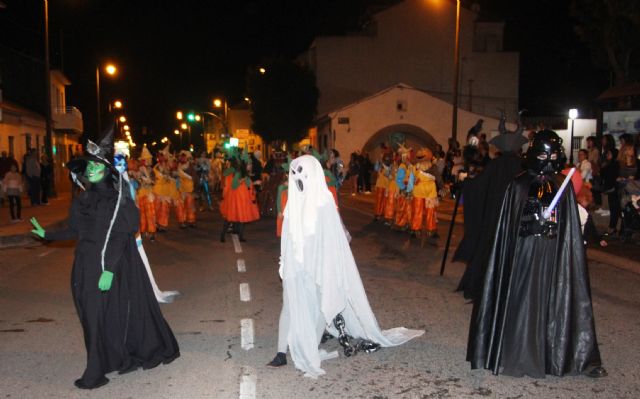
(577, 143)
(343, 121)
(11, 146)
(401, 106)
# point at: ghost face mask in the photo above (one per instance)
(299, 173)
(95, 171)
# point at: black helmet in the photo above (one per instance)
(545, 154)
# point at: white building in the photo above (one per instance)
(422, 118)
(413, 42)
(22, 129)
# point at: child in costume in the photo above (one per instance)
(238, 205)
(145, 196)
(425, 195)
(404, 180)
(185, 201)
(164, 189)
(122, 323)
(282, 196)
(383, 168)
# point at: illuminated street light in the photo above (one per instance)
(198, 117)
(262, 70)
(217, 103)
(176, 132)
(122, 119)
(117, 104)
(111, 69)
(573, 114)
(126, 127)
(183, 126)
(179, 115)
(247, 99)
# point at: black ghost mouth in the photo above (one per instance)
(300, 185)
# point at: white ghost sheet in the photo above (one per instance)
(319, 274)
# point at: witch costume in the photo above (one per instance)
(322, 288)
(534, 316)
(122, 323)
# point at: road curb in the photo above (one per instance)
(27, 240)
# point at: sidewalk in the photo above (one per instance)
(49, 216)
(624, 255)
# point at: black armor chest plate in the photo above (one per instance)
(532, 222)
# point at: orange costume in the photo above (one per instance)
(393, 192)
(384, 169)
(239, 199)
(165, 192)
(425, 194)
(185, 202)
(404, 180)
(145, 198)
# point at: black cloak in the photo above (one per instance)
(483, 197)
(123, 327)
(535, 315)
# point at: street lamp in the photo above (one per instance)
(123, 119)
(179, 115)
(262, 70)
(126, 127)
(456, 74)
(110, 69)
(117, 104)
(573, 114)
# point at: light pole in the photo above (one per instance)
(573, 114)
(456, 74)
(48, 139)
(110, 69)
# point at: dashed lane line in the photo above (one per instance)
(248, 381)
(236, 243)
(242, 267)
(245, 293)
(246, 334)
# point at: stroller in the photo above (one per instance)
(629, 195)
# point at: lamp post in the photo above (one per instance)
(456, 74)
(48, 139)
(573, 114)
(110, 69)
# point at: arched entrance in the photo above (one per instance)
(414, 136)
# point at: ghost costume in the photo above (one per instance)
(319, 275)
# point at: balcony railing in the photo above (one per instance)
(67, 118)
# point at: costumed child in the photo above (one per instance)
(404, 180)
(164, 189)
(238, 205)
(145, 196)
(425, 196)
(281, 202)
(393, 191)
(383, 168)
(322, 288)
(185, 201)
(122, 323)
(203, 170)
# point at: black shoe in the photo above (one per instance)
(152, 237)
(222, 239)
(325, 337)
(367, 346)
(278, 361)
(183, 226)
(597, 372)
(81, 384)
(242, 239)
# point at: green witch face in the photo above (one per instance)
(95, 171)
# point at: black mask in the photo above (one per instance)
(545, 154)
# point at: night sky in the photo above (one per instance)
(180, 54)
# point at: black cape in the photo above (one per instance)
(483, 197)
(535, 315)
(123, 327)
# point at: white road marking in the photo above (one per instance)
(248, 383)
(246, 334)
(242, 267)
(236, 243)
(45, 253)
(245, 293)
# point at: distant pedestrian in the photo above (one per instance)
(365, 173)
(46, 171)
(353, 173)
(32, 171)
(12, 187)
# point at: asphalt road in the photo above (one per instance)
(41, 348)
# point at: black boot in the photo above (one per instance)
(278, 361)
(325, 337)
(343, 338)
(367, 346)
(241, 232)
(225, 227)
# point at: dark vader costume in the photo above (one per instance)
(534, 315)
(123, 326)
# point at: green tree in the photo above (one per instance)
(284, 100)
(612, 30)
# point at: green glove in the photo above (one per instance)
(39, 231)
(105, 281)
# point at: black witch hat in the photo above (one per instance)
(509, 141)
(102, 152)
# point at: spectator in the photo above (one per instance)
(584, 166)
(609, 171)
(33, 172)
(12, 187)
(365, 173)
(45, 178)
(596, 182)
(353, 172)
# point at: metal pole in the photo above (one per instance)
(453, 222)
(48, 137)
(456, 74)
(571, 143)
(98, 98)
